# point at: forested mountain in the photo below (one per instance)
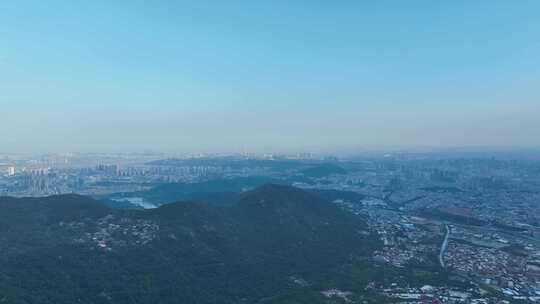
(274, 244)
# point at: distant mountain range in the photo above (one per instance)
(273, 244)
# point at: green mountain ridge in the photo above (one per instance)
(72, 249)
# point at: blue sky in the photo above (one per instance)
(268, 75)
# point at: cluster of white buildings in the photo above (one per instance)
(10, 171)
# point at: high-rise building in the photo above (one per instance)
(11, 171)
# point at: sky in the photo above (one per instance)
(281, 76)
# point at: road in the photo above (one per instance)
(444, 246)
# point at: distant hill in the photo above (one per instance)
(219, 192)
(323, 170)
(275, 242)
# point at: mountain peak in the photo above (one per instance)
(274, 203)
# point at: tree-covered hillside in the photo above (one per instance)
(276, 243)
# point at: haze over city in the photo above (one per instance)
(286, 76)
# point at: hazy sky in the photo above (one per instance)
(275, 75)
